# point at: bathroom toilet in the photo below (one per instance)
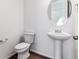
(23, 48)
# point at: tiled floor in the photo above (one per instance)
(32, 56)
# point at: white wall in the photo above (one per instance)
(36, 20)
(11, 25)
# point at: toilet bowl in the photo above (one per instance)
(23, 48)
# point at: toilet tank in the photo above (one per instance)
(29, 37)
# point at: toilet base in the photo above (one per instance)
(23, 55)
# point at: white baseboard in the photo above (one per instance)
(37, 52)
(42, 54)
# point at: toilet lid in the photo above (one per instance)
(22, 45)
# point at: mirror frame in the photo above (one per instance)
(69, 10)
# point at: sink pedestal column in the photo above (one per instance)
(58, 49)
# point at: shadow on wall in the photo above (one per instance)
(22, 39)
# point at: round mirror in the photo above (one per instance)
(59, 11)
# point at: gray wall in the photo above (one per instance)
(11, 25)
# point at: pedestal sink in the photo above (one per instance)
(59, 37)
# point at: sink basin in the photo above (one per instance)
(59, 36)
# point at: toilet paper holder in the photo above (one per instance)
(3, 40)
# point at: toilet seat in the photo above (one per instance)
(22, 45)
